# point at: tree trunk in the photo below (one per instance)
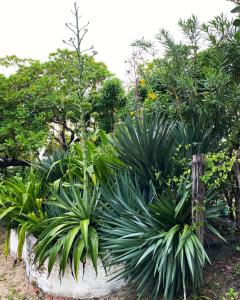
(236, 170)
(13, 162)
(198, 195)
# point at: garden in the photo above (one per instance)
(115, 193)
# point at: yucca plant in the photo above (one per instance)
(146, 146)
(157, 149)
(20, 207)
(70, 235)
(152, 238)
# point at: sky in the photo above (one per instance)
(35, 28)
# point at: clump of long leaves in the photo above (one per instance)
(152, 238)
(146, 146)
(71, 234)
(54, 166)
(20, 207)
(153, 147)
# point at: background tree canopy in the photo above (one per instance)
(197, 78)
(39, 107)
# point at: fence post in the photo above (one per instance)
(236, 170)
(198, 195)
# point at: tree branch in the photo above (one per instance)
(13, 162)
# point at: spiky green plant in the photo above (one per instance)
(70, 235)
(63, 166)
(146, 146)
(195, 137)
(152, 238)
(53, 166)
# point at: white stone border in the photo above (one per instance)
(89, 286)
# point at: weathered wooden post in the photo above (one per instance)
(198, 195)
(236, 170)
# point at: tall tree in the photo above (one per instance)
(109, 103)
(190, 82)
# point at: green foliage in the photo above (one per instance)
(187, 103)
(20, 207)
(195, 137)
(69, 230)
(146, 145)
(71, 234)
(109, 103)
(219, 168)
(190, 82)
(158, 150)
(231, 294)
(39, 106)
(236, 10)
(61, 166)
(155, 242)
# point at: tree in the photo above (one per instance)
(190, 83)
(22, 133)
(109, 103)
(39, 106)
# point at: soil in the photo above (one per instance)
(14, 284)
(222, 277)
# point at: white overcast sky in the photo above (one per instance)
(34, 28)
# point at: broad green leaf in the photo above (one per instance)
(94, 240)
(77, 254)
(21, 239)
(7, 242)
(84, 230)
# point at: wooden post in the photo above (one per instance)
(236, 170)
(198, 195)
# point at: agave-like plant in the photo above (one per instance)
(70, 235)
(157, 149)
(152, 238)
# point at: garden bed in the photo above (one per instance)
(88, 285)
(219, 277)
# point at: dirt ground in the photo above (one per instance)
(13, 282)
(15, 286)
(222, 277)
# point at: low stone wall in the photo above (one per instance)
(87, 286)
